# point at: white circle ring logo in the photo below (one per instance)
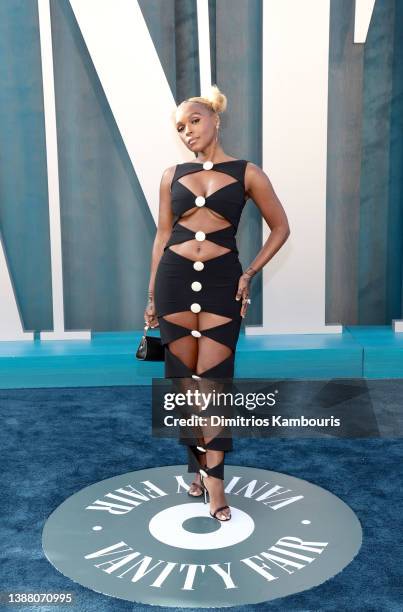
(167, 527)
(140, 537)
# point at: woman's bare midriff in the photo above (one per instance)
(206, 221)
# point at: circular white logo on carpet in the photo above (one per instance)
(140, 537)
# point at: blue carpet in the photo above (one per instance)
(56, 441)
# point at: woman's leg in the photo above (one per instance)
(204, 356)
(185, 349)
(215, 357)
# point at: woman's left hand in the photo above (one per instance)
(243, 293)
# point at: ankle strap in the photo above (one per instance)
(216, 470)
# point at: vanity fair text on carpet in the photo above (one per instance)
(282, 557)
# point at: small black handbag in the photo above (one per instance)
(150, 348)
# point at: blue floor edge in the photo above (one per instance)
(108, 358)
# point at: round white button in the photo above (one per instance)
(195, 333)
(207, 165)
(198, 265)
(195, 307)
(200, 201)
(200, 236)
(196, 286)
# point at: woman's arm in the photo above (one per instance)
(164, 229)
(259, 188)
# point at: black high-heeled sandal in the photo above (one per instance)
(196, 452)
(217, 471)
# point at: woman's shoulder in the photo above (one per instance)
(170, 169)
(254, 175)
(167, 178)
(168, 173)
(252, 169)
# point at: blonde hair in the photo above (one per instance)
(214, 99)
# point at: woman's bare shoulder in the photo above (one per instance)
(252, 169)
(253, 174)
(170, 171)
(167, 177)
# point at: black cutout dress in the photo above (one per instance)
(183, 284)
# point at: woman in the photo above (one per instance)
(198, 293)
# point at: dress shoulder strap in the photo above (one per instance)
(236, 169)
(183, 169)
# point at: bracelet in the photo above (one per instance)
(248, 273)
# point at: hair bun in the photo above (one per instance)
(214, 99)
(217, 99)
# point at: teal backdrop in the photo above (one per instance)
(107, 228)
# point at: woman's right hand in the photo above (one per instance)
(150, 314)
